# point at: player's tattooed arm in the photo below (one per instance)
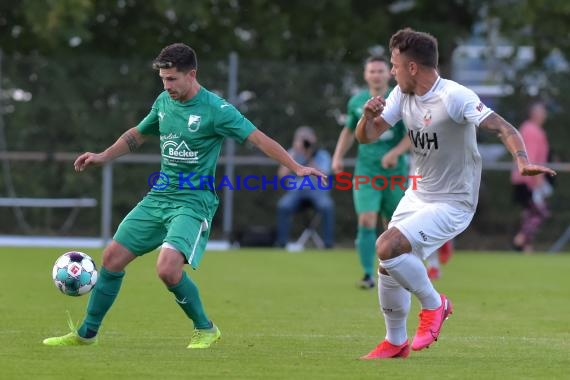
(129, 141)
(508, 134)
(513, 141)
(133, 141)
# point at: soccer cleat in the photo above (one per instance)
(430, 324)
(433, 273)
(71, 339)
(386, 350)
(204, 338)
(367, 282)
(445, 252)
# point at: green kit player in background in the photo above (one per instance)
(385, 157)
(191, 123)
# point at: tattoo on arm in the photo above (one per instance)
(491, 123)
(505, 130)
(500, 126)
(131, 140)
(511, 131)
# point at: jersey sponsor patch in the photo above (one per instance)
(179, 152)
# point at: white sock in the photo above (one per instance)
(395, 304)
(409, 271)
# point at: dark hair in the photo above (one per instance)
(420, 47)
(377, 58)
(178, 55)
(534, 103)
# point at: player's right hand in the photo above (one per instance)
(374, 107)
(337, 165)
(87, 159)
(303, 171)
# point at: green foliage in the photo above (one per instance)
(542, 24)
(57, 22)
(539, 23)
(292, 30)
(86, 64)
(86, 103)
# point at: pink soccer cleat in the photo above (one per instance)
(430, 324)
(386, 350)
(445, 252)
(433, 273)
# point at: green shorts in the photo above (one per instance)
(369, 199)
(153, 222)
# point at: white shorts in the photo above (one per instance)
(427, 226)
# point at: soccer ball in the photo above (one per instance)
(74, 273)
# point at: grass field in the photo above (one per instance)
(290, 316)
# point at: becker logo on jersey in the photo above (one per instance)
(194, 123)
(179, 152)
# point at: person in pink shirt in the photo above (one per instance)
(530, 191)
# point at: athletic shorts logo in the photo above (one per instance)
(423, 235)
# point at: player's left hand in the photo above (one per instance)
(306, 170)
(530, 170)
(374, 107)
(389, 160)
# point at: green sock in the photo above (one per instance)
(366, 247)
(188, 297)
(100, 301)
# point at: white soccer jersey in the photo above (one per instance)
(442, 127)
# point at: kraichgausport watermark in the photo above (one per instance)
(160, 181)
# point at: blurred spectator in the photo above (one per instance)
(306, 151)
(531, 191)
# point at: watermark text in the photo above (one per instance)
(341, 181)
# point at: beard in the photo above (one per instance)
(406, 89)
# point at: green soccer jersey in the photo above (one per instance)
(370, 155)
(191, 135)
